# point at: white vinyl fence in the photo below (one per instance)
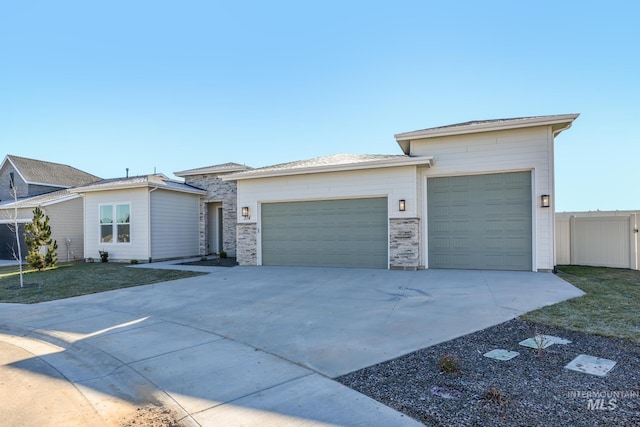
(600, 239)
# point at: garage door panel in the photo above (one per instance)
(335, 233)
(492, 212)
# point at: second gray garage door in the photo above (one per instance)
(480, 221)
(327, 233)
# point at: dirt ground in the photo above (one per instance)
(150, 416)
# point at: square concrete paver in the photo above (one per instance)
(591, 365)
(543, 341)
(500, 354)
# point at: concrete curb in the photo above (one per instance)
(82, 363)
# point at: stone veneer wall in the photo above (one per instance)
(247, 244)
(404, 243)
(217, 191)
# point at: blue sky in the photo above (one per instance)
(105, 86)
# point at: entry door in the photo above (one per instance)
(220, 229)
(480, 221)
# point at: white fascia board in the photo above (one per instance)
(13, 221)
(63, 199)
(107, 187)
(81, 190)
(486, 127)
(14, 168)
(209, 171)
(25, 203)
(44, 184)
(412, 161)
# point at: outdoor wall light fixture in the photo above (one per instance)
(245, 211)
(402, 205)
(544, 201)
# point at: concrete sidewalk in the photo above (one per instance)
(259, 345)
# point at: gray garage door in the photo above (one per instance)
(327, 233)
(480, 222)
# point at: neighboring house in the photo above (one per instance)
(218, 212)
(64, 210)
(34, 177)
(474, 195)
(144, 218)
(41, 184)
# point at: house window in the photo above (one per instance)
(115, 220)
(11, 182)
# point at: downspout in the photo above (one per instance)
(84, 227)
(149, 223)
(554, 133)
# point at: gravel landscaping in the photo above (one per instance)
(532, 389)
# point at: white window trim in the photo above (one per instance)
(114, 224)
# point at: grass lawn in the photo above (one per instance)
(73, 279)
(611, 306)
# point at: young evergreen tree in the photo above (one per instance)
(41, 249)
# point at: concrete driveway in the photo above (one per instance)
(259, 345)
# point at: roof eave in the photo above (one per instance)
(8, 158)
(403, 139)
(26, 203)
(44, 184)
(143, 185)
(60, 200)
(82, 190)
(425, 161)
(184, 174)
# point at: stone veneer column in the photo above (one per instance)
(218, 191)
(404, 243)
(202, 228)
(246, 251)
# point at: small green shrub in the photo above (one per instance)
(223, 254)
(134, 261)
(104, 256)
(449, 363)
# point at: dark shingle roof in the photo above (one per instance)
(56, 174)
(40, 200)
(157, 180)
